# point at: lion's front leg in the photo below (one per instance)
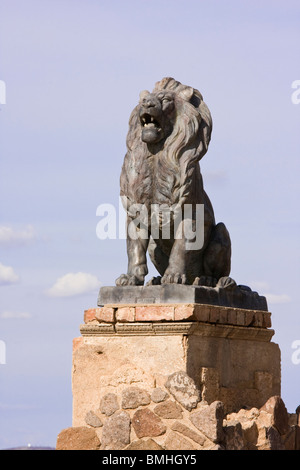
(185, 255)
(137, 244)
(176, 270)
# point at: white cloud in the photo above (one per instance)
(278, 298)
(263, 289)
(9, 236)
(259, 285)
(7, 275)
(74, 284)
(7, 315)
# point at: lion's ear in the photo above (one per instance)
(143, 94)
(187, 93)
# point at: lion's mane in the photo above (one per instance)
(180, 153)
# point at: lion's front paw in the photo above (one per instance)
(176, 278)
(154, 281)
(128, 280)
(206, 281)
(226, 282)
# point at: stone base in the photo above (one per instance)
(158, 376)
(227, 294)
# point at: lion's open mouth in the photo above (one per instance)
(149, 122)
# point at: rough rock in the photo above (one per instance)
(250, 433)
(280, 418)
(272, 440)
(147, 424)
(92, 419)
(176, 442)
(183, 389)
(78, 438)
(248, 420)
(209, 420)
(233, 436)
(133, 397)
(116, 431)
(158, 395)
(188, 432)
(168, 410)
(109, 404)
(147, 444)
(290, 439)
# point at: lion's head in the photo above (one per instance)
(173, 123)
(171, 110)
(157, 113)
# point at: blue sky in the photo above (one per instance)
(73, 72)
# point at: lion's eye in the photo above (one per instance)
(163, 98)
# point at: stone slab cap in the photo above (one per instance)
(236, 296)
(122, 314)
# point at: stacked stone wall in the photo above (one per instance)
(177, 377)
(173, 417)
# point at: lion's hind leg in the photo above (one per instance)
(217, 255)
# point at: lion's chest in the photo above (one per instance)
(152, 182)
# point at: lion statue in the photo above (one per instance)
(169, 132)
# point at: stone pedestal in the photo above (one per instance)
(149, 375)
